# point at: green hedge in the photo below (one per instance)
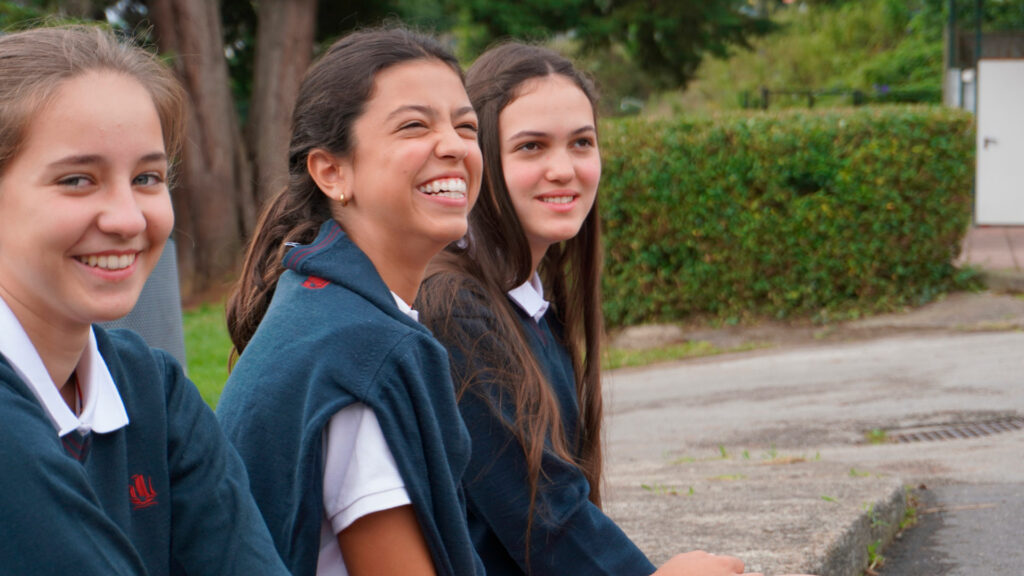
(782, 214)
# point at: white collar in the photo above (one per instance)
(530, 297)
(405, 308)
(102, 408)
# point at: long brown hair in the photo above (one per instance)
(496, 257)
(332, 97)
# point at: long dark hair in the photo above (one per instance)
(497, 258)
(332, 97)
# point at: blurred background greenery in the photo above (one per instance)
(779, 214)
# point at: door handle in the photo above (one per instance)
(988, 140)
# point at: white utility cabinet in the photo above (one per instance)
(999, 189)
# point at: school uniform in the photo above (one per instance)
(334, 337)
(360, 476)
(140, 481)
(569, 535)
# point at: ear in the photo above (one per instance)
(332, 175)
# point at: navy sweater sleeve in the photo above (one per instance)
(53, 522)
(217, 528)
(569, 533)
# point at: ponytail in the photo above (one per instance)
(294, 215)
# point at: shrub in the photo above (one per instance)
(781, 214)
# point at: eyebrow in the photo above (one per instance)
(87, 159)
(427, 110)
(539, 134)
(463, 111)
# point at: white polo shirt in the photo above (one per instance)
(102, 408)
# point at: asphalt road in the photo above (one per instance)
(964, 530)
(821, 402)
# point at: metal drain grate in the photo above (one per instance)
(955, 431)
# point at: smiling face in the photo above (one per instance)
(550, 159)
(84, 206)
(415, 169)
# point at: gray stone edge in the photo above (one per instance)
(1003, 281)
(878, 523)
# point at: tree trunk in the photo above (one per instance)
(284, 48)
(213, 196)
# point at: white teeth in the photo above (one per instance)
(557, 199)
(445, 187)
(108, 262)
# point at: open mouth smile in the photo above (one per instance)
(445, 188)
(108, 262)
(558, 199)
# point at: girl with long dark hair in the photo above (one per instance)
(341, 403)
(518, 305)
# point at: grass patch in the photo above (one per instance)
(876, 436)
(662, 489)
(875, 558)
(910, 512)
(624, 358)
(727, 478)
(207, 346)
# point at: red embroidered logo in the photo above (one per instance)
(141, 492)
(314, 283)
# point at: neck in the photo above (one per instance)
(401, 266)
(60, 345)
(405, 283)
(537, 254)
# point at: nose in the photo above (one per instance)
(560, 166)
(121, 215)
(453, 145)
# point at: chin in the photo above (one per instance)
(114, 310)
(451, 234)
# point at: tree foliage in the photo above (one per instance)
(666, 39)
(874, 46)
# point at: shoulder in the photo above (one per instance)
(133, 364)
(24, 421)
(125, 346)
(307, 308)
(455, 296)
(346, 346)
(28, 441)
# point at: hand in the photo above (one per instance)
(700, 563)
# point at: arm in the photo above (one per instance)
(217, 528)
(583, 537)
(700, 563)
(568, 533)
(365, 501)
(386, 542)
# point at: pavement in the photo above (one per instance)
(702, 455)
(998, 252)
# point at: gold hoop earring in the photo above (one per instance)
(342, 199)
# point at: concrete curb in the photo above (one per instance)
(1005, 281)
(783, 516)
(877, 526)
